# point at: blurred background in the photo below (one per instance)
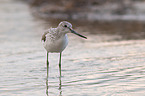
(123, 17)
(109, 63)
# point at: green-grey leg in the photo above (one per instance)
(60, 72)
(47, 65)
(47, 75)
(60, 65)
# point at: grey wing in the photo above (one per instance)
(44, 35)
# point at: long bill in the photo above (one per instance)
(72, 31)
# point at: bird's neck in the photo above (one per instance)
(60, 32)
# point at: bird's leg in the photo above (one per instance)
(47, 65)
(60, 65)
(47, 75)
(60, 71)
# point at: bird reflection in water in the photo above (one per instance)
(60, 85)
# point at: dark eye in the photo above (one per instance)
(65, 25)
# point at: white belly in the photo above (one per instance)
(57, 45)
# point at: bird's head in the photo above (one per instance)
(66, 27)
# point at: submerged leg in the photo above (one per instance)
(60, 72)
(47, 62)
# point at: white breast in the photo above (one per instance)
(55, 44)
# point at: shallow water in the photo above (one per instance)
(98, 66)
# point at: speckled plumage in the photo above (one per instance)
(55, 39)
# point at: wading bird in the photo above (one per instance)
(56, 40)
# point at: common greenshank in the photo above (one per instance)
(56, 40)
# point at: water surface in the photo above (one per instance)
(98, 66)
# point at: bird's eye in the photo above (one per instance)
(65, 25)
